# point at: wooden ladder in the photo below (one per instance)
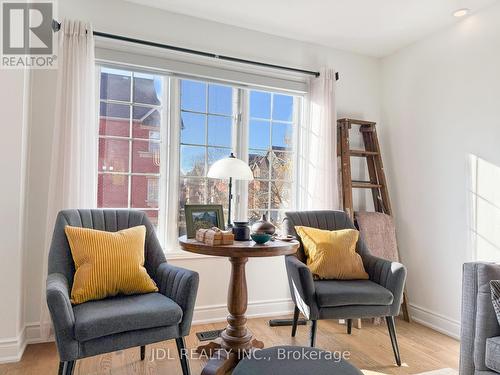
(377, 181)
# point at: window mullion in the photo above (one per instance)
(164, 160)
(130, 144)
(296, 124)
(173, 173)
(271, 159)
(206, 197)
(97, 129)
(240, 140)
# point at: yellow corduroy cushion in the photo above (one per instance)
(332, 254)
(108, 263)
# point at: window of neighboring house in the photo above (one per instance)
(271, 154)
(206, 135)
(153, 191)
(130, 118)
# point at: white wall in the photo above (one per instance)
(358, 96)
(13, 156)
(441, 104)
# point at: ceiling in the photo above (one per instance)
(370, 27)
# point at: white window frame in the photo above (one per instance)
(130, 139)
(296, 123)
(169, 174)
(206, 146)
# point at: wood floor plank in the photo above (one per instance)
(422, 349)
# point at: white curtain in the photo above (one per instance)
(318, 184)
(73, 169)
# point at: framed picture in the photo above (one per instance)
(203, 216)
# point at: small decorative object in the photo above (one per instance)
(260, 238)
(227, 237)
(214, 236)
(287, 238)
(241, 231)
(263, 226)
(230, 168)
(200, 234)
(203, 216)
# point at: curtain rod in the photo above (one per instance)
(56, 26)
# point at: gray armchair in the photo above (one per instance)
(343, 299)
(480, 331)
(121, 322)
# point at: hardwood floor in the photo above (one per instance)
(422, 349)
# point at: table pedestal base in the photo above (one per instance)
(235, 342)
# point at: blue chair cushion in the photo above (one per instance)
(334, 293)
(105, 317)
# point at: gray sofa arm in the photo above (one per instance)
(390, 275)
(180, 285)
(478, 320)
(302, 288)
(60, 307)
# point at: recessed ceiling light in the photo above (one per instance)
(461, 12)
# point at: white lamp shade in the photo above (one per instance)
(230, 167)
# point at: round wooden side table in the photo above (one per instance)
(235, 340)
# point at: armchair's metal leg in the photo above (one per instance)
(312, 335)
(61, 368)
(349, 326)
(181, 349)
(296, 313)
(143, 352)
(68, 368)
(394, 340)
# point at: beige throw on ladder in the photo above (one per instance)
(379, 234)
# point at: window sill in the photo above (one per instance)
(179, 254)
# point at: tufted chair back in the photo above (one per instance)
(326, 219)
(60, 258)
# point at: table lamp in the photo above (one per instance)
(230, 167)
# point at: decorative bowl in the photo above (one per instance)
(260, 238)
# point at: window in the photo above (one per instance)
(211, 121)
(271, 155)
(209, 115)
(206, 136)
(130, 117)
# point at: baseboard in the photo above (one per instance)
(256, 309)
(12, 349)
(438, 322)
(34, 334)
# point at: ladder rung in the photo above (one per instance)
(365, 185)
(362, 153)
